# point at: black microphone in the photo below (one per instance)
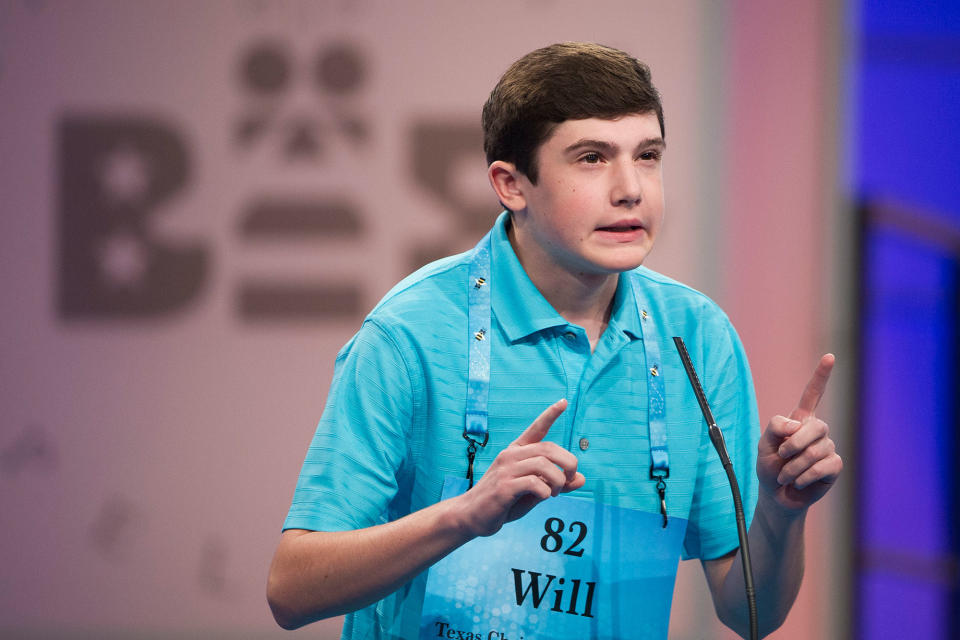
(716, 436)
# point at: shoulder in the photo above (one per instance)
(436, 287)
(422, 313)
(688, 313)
(681, 299)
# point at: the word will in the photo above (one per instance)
(536, 593)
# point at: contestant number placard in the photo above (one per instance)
(571, 569)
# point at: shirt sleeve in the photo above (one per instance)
(353, 466)
(711, 530)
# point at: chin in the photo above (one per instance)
(627, 262)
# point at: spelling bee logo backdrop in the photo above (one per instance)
(119, 172)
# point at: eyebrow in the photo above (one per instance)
(609, 147)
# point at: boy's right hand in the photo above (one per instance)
(524, 474)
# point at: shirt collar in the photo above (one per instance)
(522, 310)
(623, 317)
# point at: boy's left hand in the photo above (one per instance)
(797, 461)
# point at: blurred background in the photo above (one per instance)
(200, 201)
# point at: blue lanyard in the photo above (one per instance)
(478, 376)
(478, 367)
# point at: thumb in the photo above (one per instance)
(778, 430)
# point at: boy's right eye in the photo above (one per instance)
(590, 158)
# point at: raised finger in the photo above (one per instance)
(815, 388)
(538, 428)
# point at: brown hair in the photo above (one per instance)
(567, 81)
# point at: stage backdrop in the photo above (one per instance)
(201, 200)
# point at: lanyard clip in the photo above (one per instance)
(472, 443)
(660, 475)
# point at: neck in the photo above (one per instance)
(584, 299)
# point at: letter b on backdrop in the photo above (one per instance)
(115, 173)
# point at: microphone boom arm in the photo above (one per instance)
(716, 436)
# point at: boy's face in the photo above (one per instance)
(598, 202)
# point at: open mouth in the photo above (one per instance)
(621, 228)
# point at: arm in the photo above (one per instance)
(316, 574)
(797, 464)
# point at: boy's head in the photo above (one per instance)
(568, 81)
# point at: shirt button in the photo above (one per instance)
(584, 444)
(570, 335)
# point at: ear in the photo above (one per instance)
(507, 182)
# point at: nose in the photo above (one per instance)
(627, 190)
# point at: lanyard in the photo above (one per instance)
(478, 368)
(478, 372)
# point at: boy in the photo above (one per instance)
(453, 374)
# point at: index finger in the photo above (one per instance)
(538, 428)
(814, 389)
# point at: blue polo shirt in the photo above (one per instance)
(391, 429)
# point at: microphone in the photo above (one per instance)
(716, 437)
